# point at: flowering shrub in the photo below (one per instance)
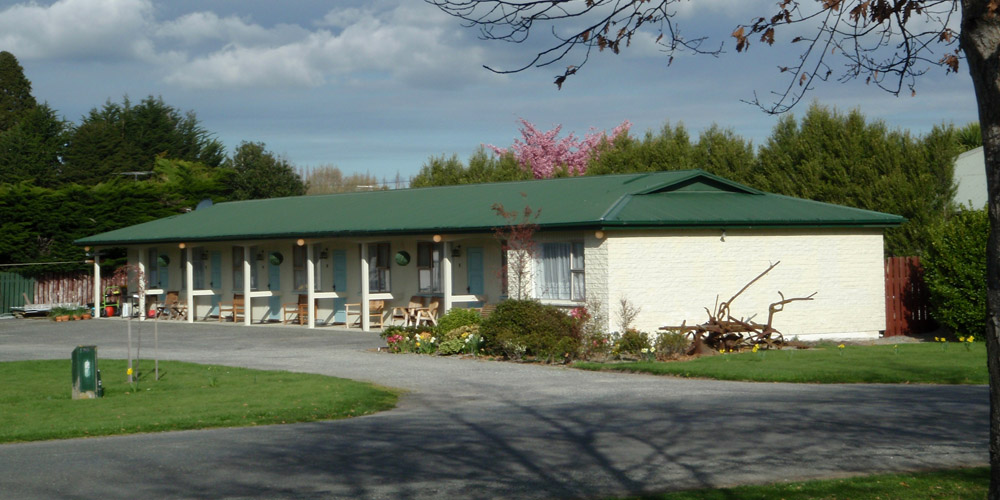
(546, 157)
(596, 345)
(426, 343)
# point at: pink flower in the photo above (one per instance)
(545, 155)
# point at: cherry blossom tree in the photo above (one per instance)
(546, 155)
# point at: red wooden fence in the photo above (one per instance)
(906, 298)
(54, 288)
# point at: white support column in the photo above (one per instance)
(189, 282)
(365, 307)
(446, 284)
(98, 292)
(247, 303)
(141, 289)
(310, 285)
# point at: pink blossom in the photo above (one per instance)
(545, 155)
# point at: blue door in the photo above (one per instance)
(164, 276)
(340, 285)
(474, 257)
(215, 274)
(273, 284)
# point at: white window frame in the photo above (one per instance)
(576, 271)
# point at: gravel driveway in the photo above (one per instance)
(480, 429)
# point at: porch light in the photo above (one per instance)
(181, 245)
(86, 249)
(437, 238)
(599, 234)
(300, 242)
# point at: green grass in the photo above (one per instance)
(927, 363)
(36, 404)
(951, 484)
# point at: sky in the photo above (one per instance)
(380, 86)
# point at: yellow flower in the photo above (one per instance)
(841, 346)
(943, 339)
(128, 372)
(970, 339)
(755, 347)
(961, 339)
(935, 339)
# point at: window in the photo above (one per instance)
(153, 268)
(198, 258)
(559, 271)
(299, 267)
(317, 267)
(238, 269)
(429, 266)
(378, 267)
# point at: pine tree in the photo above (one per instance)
(15, 92)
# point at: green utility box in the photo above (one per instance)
(86, 377)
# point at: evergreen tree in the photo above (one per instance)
(843, 159)
(257, 173)
(482, 167)
(123, 138)
(15, 92)
(32, 149)
(671, 149)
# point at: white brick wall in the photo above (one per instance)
(674, 275)
(595, 256)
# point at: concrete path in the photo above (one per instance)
(480, 429)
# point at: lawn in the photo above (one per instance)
(951, 484)
(35, 403)
(925, 363)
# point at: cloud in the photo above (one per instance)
(198, 27)
(80, 29)
(416, 47)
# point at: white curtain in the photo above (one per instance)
(553, 280)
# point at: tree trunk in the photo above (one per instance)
(980, 41)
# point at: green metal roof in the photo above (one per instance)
(674, 199)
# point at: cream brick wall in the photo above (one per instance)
(595, 255)
(673, 276)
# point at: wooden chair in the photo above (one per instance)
(376, 312)
(297, 310)
(428, 314)
(173, 307)
(406, 314)
(235, 308)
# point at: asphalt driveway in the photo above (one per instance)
(478, 429)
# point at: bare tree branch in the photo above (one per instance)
(889, 43)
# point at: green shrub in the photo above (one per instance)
(461, 339)
(670, 344)
(955, 272)
(632, 343)
(457, 317)
(520, 328)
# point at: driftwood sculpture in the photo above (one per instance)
(722, 332)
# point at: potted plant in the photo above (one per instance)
(78, 312)
(59, 314)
